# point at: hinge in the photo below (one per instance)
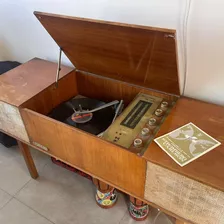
(168, 35)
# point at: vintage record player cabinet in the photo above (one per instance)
(116, 61)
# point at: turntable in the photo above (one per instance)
(90, 115)
(64, 112)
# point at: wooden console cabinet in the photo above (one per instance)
(116, 61)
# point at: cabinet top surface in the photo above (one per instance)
(208, 168)
(140, 55)
(27, 80)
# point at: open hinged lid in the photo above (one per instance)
(140, 55)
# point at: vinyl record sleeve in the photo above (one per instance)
(186, 143)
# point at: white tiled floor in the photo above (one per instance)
(57, 196)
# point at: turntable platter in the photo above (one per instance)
(99, 122)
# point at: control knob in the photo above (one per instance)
(164, 105)
(152, 121)
(145, 131)
(159, 112)
(137, 142)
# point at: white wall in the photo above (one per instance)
(22, 37)
(205, 77)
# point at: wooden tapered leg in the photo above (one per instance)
(28, 159)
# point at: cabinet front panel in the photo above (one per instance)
(11, 122)
(101, 159)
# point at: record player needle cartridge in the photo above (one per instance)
(83, 116)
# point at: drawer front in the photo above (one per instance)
(183, 196)
(11, 122)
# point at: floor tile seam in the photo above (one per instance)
(123, 216)
(6, 203)
(6, 192)
(33, 210)
(20, 189)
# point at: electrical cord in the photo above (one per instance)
(158, 214)
(185, 29)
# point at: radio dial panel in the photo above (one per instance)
(136, 127)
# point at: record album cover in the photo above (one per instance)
(186, 143)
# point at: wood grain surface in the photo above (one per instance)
(210, 118)
(102, 186)
(136, 54)
(22, 83)
(87, 152)
(180, 222)
(28, 159)
(183, 196)
(109, 89)
(51, 97)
